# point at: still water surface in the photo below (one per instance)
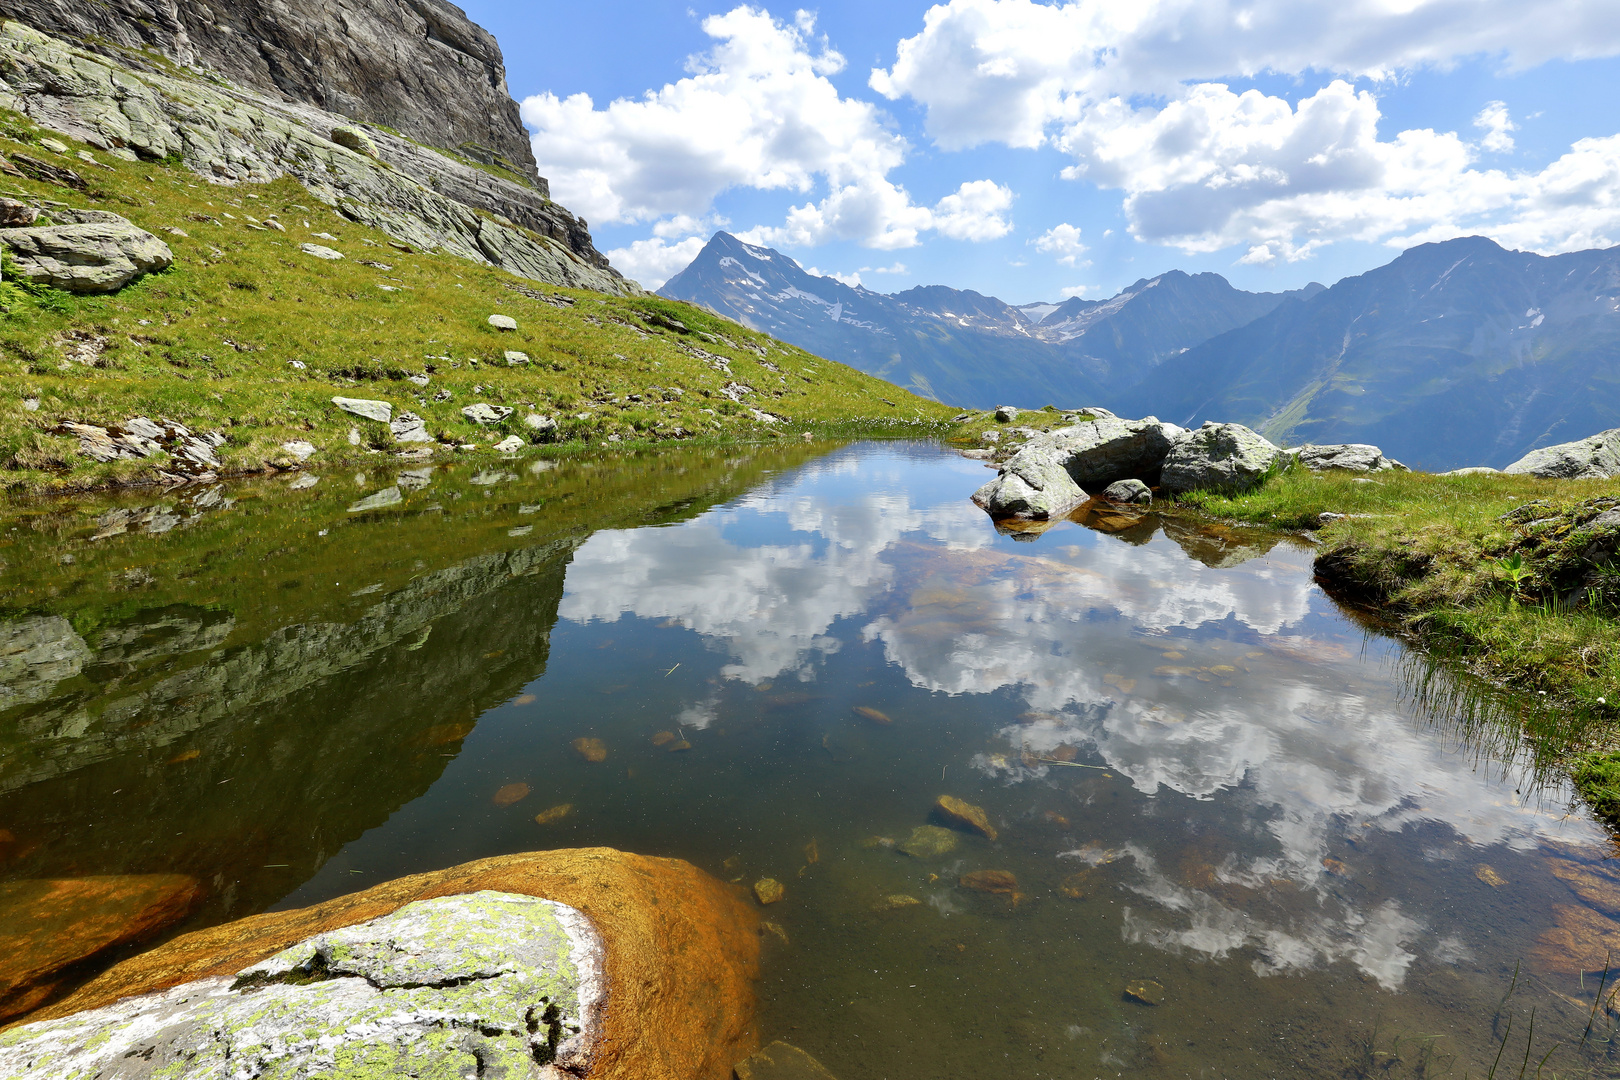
(1208, 783)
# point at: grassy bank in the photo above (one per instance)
(249, 335)
(1510, 575)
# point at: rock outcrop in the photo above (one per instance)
(1219, 457)
(675, 955)
(1594, 458)
(231, 135)
(86, 252)
(1048, 477)
(1349, 457)
(420, 67)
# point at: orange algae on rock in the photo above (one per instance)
(682, 952)
(964, 815)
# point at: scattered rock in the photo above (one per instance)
(1594, 458)
(379, 411)
(1001, 882)
(1145, 991)
(515, 358)
(769, 890)
(1473, 470)
(1047, 478)
(320, 251)
(895, 902)
(1350, 457)
(592, 750)
(299, 449)
(355, 139)
(388, 496)
(780, 1061)
(95, 256)
(964, 815)
(483, 413)
(139, 437)
(416, 480)
(55, 146)
(1489, 876)
(1006, 414)
(1077, 886)
(1128, 491)
(554, 814)
(510, 445)
(503, 322)
(50, 925)
(418, 379)
(511, 793)
(306, 480)
(664, 738)
(928, 842)
(15, 214)
(869, 713)
(1217, 457)
(408, 427)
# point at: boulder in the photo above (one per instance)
(99, 255)
(675, 952)
(1006, 414)
(1594, 458)
(1128, 491)
(483, 413)
(299, 448)
(515, 358)
(1048, 476)
(510, 445)
(1351, 457)
(503, 322)
(354, 139)
(371, 409)
(408, 427)
(14, 214)
(1217, 457)
(1472, 470)
(320, 251)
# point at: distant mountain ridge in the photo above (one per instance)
(1456, 353)
(965, 348)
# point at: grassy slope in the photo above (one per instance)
(1436, 553)
(210, 342)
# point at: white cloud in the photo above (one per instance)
(1128, 91)
(1069, 292)
(653, 262)
(1063, 242)
(897, 268)
(757, 111)
(1495, 122)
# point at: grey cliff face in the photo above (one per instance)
(420, 67)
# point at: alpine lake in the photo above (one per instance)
(1238, 831)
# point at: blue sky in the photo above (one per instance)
(1032, 151)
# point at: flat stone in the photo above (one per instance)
(592, 750)
(964, 815)
(1472, 470)
(1146, 991)
(781, 1061)
(93, 257)
(379, 411)
(928, 842)
(299, 449)
(408, 427)
(1001, 882)
(1217, 457)
(483, 413)
(514, 358)
(508, 794)
(320, 251)
(1348, 457)
(1594, 458)
(510, 445)
(503, 322)
(1128, 491)
(1595, 886)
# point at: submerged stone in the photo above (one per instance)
(554, 815)
(1145, 991)
(781, 1061)
(593, 750)
(511, 793)
(874, 715)
(928, 842)
(990, 881)
(769, 890)
(964, 815)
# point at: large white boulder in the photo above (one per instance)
(1048, 477)
(1217, 457)
(1594, 458)
(95, 251)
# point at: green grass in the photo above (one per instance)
(212, 343)
(1491, 571)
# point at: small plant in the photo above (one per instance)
(1515, 573)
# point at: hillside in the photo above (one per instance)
(1455, 354)
(961, 347)
(250, 335)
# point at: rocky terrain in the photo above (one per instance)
(960, 347)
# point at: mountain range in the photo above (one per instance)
(1456, 353)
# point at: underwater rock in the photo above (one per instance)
(1146, 991)
(964, 815)
(1594, 885)
(50, 925)
(679, 951)
(928, 842)
(664, 738)
(874, 715)
(780, 1061)
(554, 815)
(511, 793)
(1077, 886)
(896, 901)
(1581, 940)
(1002, 882)
(769, 890)
(592, 750)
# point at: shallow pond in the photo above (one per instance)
(1228, 843)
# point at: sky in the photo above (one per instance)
(1035, 151)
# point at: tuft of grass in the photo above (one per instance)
(1597, 778)
(217, 341)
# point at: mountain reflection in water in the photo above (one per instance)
(1201, 772)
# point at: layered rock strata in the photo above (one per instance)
(627, 967)
(230, 135)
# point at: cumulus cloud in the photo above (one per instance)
(1131, 93)
(653, 262)
(757, 111)
(1062, 242)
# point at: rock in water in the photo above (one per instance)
(554, 814)
(98, 256)
(928, 842)
(1594, 458)
(511, 793)
(1128, 491)
(964, 815)
(592, 750)
(1046, 478)
(1351, 457)
(769, 890)
(1001, 882)
(780, 1061)
(877, 716)
(1146, 991)
(1218, 457)
(379, 411)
